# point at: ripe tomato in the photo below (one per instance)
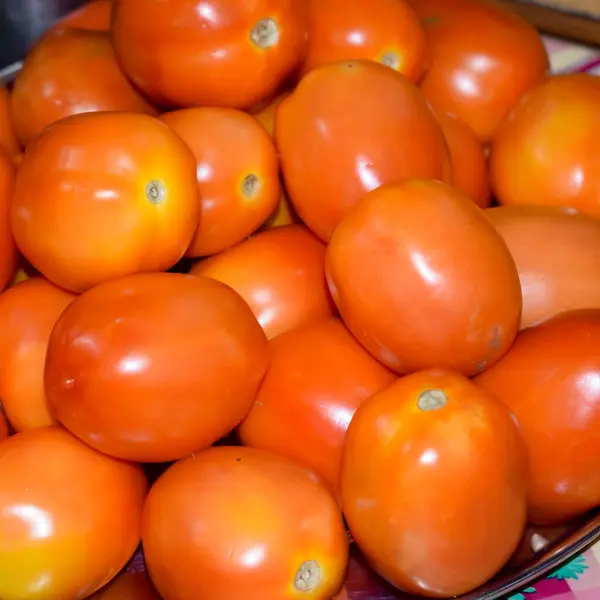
(546, 152)
(227, 53)
(434, 483)
(422, 279)
(8, 251)
(8, 137)
(483, 58)
(549, 379)
(386, 31)
(129, 585)
(280, 273)
(154, 366)
(238, 190)
(318, 376)
(28, 312)
(288, 541)
(102, 195)
(348, 128)
(93, 15)
(4, 432)
(70, 517)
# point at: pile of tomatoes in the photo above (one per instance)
(257, 300)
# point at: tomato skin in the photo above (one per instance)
(423, 507)
(546, 151)
(141, 367)
(218, 60)
(8, 251)
(288, 514)
(549, 380)
(402, 255)
(238, 190)
(382, 111)
(50, 480)
(81, 218)
(28, 312)
(4, 431)
(8, 137)
(94, 15)
(280, 273)
(317, 378)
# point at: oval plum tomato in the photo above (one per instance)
(288, 542)
(280, 273)
(483, 57)
(70, 517)
(549, 379)
(154, 366)
(318, 376)
(8, 136)
(546, 152)
(70, 71)
(28, 312)
(557, 253)
(228, 53)
(9, 255)
(238, 189)
(386, 31)
(129, 585)
(4, 432)
(434, 483)
(102, 195)
(93, 15)
(422, 279)
(348, 128)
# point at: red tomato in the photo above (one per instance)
(422, 279)
(28, 312)
(254, 526)
(102, 195)
(8, 250)
(483, 58)
(129, 585)
(549, 379)
(8, 137)
(348, 128)
(154, 366)
(546, 152)
(280, 273)
(209, 53)
(386, 31)
(434, 483)
(317, 378)
(70, 517)
(92, 15)
(238, 190)
(4, 431)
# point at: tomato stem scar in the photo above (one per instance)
(250, 185)
(432, 400)
(155, 191)
(265, 33)
(308, 576)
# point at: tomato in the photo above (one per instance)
(8, 137)
(557, 253)
(93, 15)
(70, 71)
(434, 483)
(318, 376)
(70, 517)
(288, 541)
(23, 272)
(348, 128)
(129, 585)
(483, 58)
(546, 152)
(280, 273)
(8, 250)
(102, 195)
(422, 279)
(4, 431)
(28, 312)
(549, 379)
(154, 366)
(207, 52)
(386, 31)
(238, 190)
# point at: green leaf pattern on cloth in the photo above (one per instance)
(571, 570)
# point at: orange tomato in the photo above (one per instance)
(4, 431)
(154, 366)
(70, 517)
(8, 251)
(93, 15)
(129, 585)
(483, 57)
(348, 128)
(546, 152)
(70, 71)
(28, 312)
(434, 483)
(549, 379)
(289, 540)
(238, 189)
(423, 280)
(386, 31)
(102, 195)
(317, 378)
(8, 137)
(281, 275)
(24, 272)
(227, 53)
